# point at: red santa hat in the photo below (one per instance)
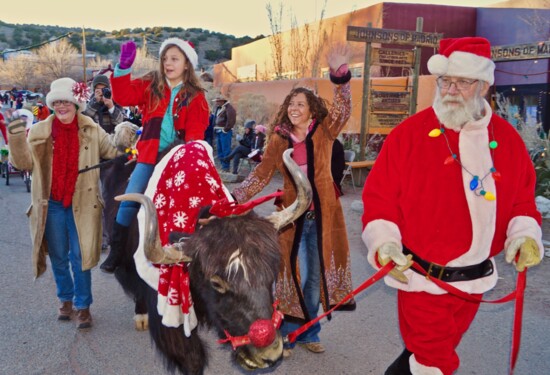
(468, 57)
(187, 48)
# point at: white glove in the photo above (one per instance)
(528, 253)
(125, 135)
(392, 251)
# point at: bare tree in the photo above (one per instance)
(254, 106)
(19, 71)
(57, 60)
(145, 62)
(276, 39)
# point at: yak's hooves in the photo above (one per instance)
(142, 322)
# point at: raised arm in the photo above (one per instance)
(340, 75)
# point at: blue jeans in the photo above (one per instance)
(139, 179)
(224, 146)
(310, 273)
(64, 250)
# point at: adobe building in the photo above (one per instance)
(526, 83)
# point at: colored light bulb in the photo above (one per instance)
(493, 144)
(496, 176)
(450, 159)
(434, 133)
(489, 196)
(474, 183)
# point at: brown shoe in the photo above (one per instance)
(314, 347)
(84, 318)
(65, 311)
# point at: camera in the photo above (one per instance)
(106, 92)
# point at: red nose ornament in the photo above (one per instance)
(261, 333)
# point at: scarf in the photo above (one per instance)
(65, 160)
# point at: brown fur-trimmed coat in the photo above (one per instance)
(331, 229)
(35, 153)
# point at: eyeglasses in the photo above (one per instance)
(460, 84)
(59, 103)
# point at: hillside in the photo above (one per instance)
(211, 46)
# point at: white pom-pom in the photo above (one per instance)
(438, 65)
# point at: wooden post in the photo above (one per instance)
(416, 69)
(365, 109)
(84, 53)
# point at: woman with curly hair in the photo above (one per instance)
(315, 265)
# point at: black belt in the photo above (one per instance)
(310, 215)
(451, 274)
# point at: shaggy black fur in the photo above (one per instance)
(246, 297)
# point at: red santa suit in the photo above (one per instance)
(418, 195)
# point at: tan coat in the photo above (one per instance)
(331, 228)
(35, 153)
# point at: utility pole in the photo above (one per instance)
(84, 53)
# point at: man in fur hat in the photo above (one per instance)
(452, 187)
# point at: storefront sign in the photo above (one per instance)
(392, 57)
(532, 51)
(373, 35)
(390, 101)
(383, 123)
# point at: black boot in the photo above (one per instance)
(401, 365)
(119, 238)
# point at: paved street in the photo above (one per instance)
(360, 342)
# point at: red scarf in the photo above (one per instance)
(65, 160)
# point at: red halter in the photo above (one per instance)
(260, 334)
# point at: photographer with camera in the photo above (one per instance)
(101, 108)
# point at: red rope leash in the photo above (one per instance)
(372, 280)
(517, 294)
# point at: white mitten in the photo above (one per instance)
(125, 135)
(392, 251)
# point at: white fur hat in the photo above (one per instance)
(68, 89)
(468, 57)
(187, 47)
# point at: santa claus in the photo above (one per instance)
(452, 187)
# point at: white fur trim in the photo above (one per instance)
(475, 155)
(419, 369)
(524, 226)
(185, 47)
(62, 89)
(463, 64)
(438, 65)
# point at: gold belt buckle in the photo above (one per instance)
(429, 272)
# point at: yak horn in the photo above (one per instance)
(152, 247)
(304, 194)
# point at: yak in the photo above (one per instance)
(232, 262)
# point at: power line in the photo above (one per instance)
(38, 45)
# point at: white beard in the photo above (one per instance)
(456, 115)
